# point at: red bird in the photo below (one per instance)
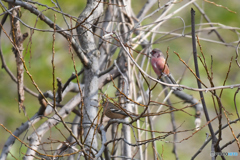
(159, 64)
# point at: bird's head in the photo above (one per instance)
(156, 53)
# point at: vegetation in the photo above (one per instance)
(61, 60)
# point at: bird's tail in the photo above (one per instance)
(174, 82)
(172, 79)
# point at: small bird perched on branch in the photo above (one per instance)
(112, 111)
(160, 65)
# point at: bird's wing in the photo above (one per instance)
(117, 111)
(160, 65)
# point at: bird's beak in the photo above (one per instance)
(150, 53)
